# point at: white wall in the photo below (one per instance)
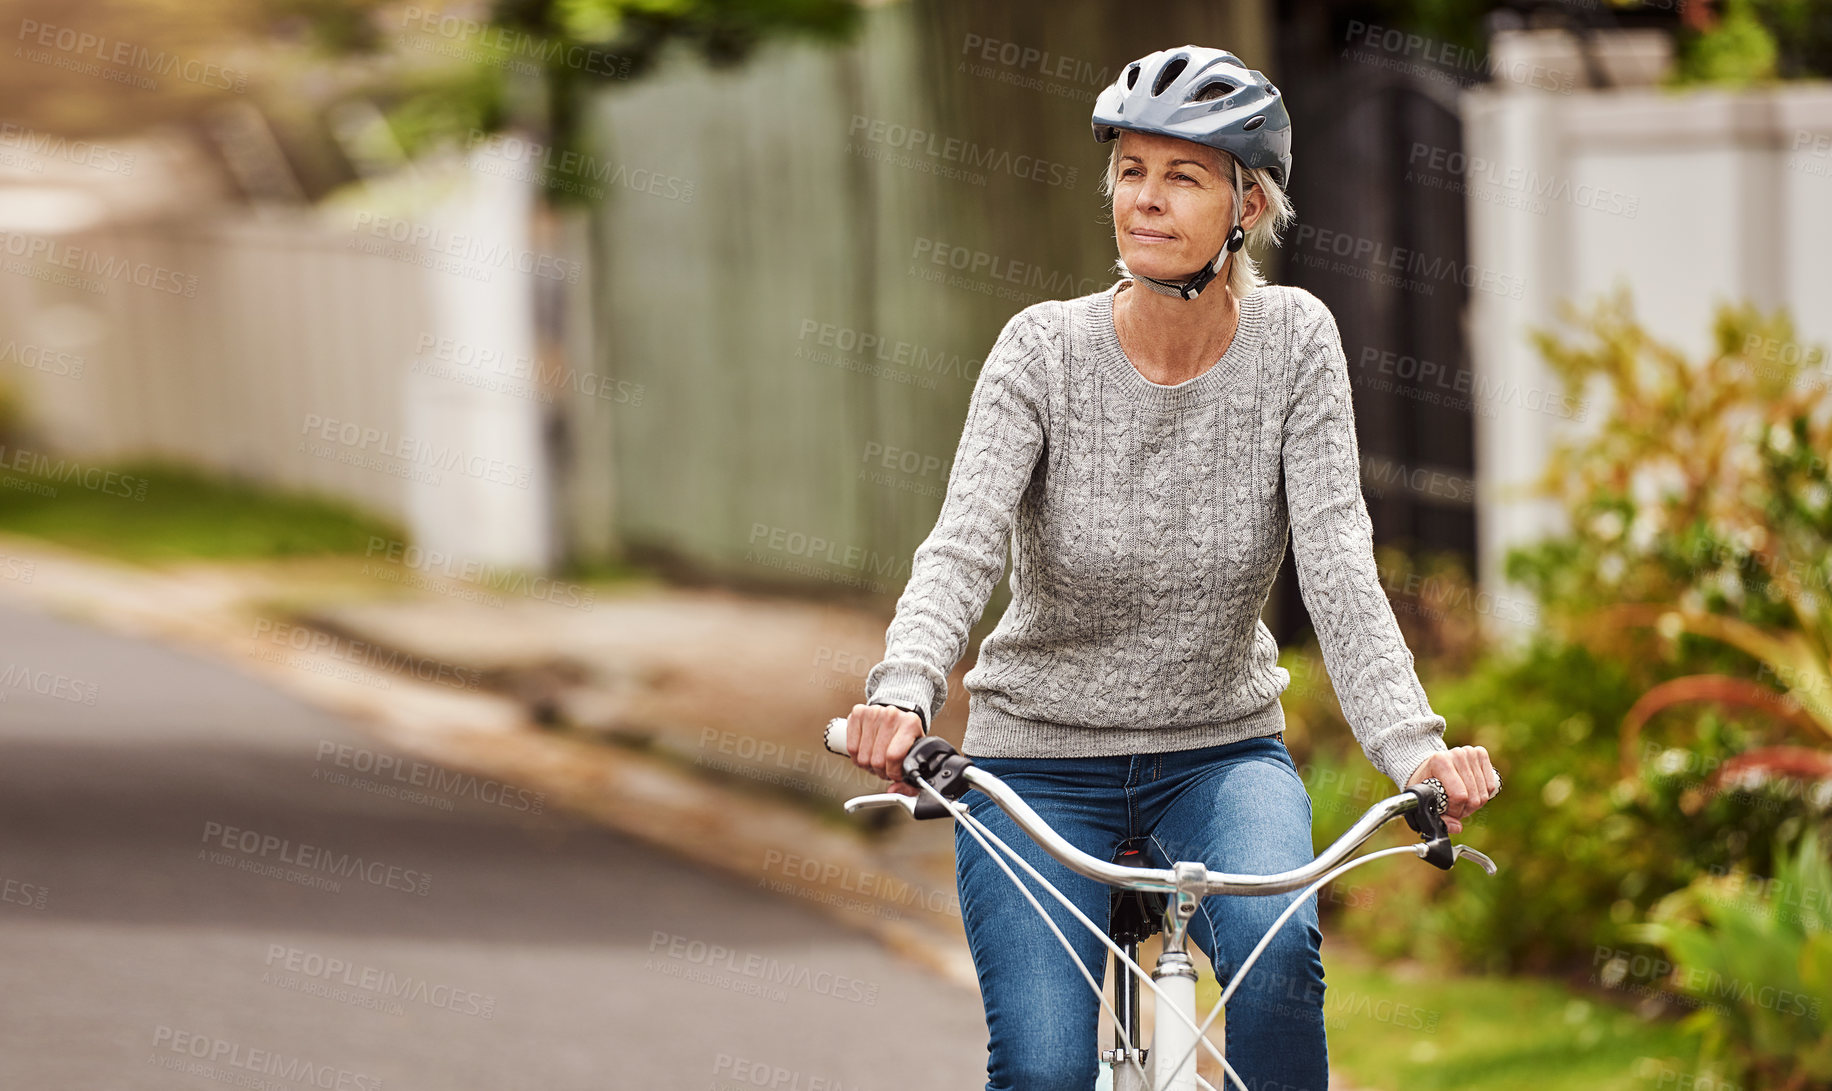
(295, 351)
(1688, 198)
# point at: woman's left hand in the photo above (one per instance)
(1468, 777)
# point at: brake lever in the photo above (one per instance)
(881, 799)
(931, 758)
(1430, 849)
(1481, 859)
(919, 806)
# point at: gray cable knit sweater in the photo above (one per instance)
(1147, 524)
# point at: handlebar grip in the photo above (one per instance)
(833, 737)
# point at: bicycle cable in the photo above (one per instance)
(970, 825)
(1241, 974)
(981, 833)
(1138, 970)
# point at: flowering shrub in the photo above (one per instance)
(1700, 515)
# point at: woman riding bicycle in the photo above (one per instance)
(1146, 450)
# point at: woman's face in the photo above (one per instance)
(1171, 204)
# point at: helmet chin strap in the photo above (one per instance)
(1192, 286)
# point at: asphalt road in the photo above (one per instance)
(204, 883)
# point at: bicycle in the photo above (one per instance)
(1148, 900)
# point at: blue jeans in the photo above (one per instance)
(1240, 807)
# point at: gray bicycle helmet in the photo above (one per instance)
(1209, 97)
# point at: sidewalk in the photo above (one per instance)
(732, 685)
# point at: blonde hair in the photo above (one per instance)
(1243, 274)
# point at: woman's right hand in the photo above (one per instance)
(878, 737)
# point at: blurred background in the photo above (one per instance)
(454, 455)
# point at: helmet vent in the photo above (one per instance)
(1254, 123)
(1132, 77)
(1214, 89)
(1169, 72)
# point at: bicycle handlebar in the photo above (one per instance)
(952, 774)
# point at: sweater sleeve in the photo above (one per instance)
(956, 567)
(1333, 545)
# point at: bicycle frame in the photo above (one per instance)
(943, 776)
